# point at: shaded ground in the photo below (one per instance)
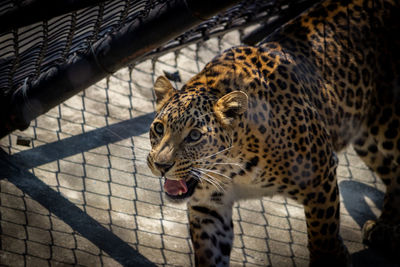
(81, 194)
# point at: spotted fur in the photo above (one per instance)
(269, 119)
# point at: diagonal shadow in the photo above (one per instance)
(14, 168)
(83, 142)
(355, 204)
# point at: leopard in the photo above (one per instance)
(270, 118)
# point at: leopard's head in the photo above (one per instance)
(191, 136)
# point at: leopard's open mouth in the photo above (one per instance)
(180, 189)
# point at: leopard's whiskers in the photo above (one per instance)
(215, 172)
(210, 180)
(196, 176)
(205, 164)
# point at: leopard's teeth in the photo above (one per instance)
(180, 193)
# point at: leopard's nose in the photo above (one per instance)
(163, 167)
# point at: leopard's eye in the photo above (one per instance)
(194, 135)
(159, 128)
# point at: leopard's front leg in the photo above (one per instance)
(322, 212)
(211, 230)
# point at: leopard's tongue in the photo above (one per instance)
(174, 187)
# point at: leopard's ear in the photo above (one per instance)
(231, 106)
(163, 89)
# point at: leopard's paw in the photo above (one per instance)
(382, 236)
